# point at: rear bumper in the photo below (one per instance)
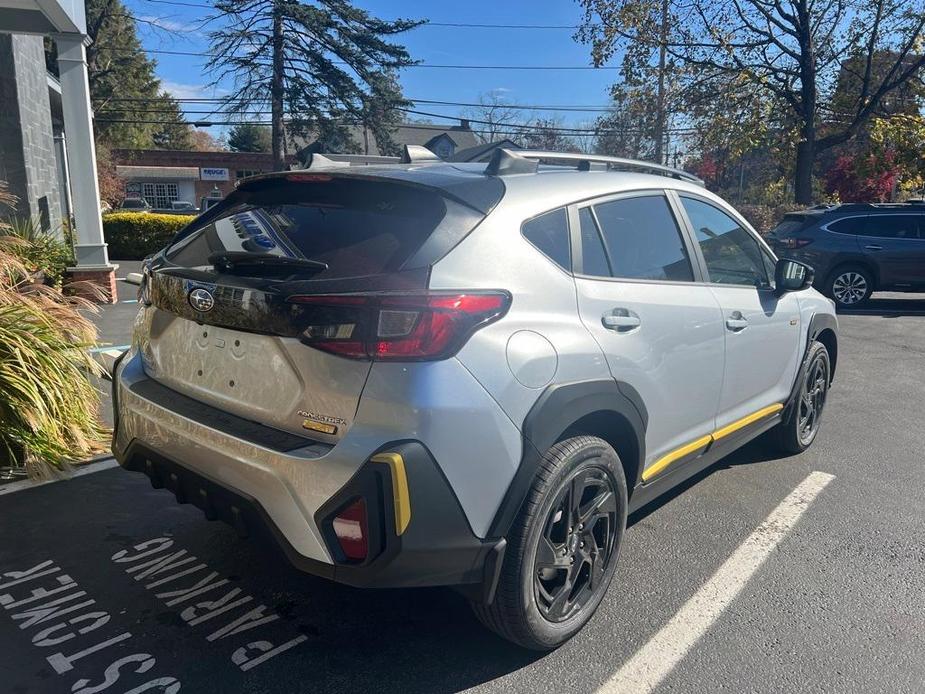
(262, 490)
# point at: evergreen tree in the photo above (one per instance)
(323, 64)
(124, 86)
(249, 137)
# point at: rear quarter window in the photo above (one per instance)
(549, 234)
(848, 225)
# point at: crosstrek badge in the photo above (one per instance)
(321, 423)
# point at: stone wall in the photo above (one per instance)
(27, 151)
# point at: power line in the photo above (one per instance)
(519, 129)
(453, 25)
(201, 54)
(588, 108)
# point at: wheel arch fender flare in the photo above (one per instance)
(847, 260)
(558, 409)
(824, 326)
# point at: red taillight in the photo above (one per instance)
(795, 242)
(397, 326)
(351, 526)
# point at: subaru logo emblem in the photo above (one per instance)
(201, 300)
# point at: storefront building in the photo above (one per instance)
(162, 177)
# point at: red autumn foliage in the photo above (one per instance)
(863, 178)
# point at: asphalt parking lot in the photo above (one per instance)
(838, 605)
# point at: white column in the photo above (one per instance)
(90, 246)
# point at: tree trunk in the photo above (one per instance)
(806, 147)
(803, 180)
(660, 96)
(276, 92)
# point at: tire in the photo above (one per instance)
(798, 431)
(849, 286)
(525, 609)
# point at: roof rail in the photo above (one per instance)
(505, 162)
(859, 206)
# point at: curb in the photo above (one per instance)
(87, 469)
(133, 278)
(107, 359)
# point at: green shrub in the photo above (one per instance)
(44, 253)
(48, 405)
(765, 217)
(136, 235)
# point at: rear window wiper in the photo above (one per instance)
(227, 261)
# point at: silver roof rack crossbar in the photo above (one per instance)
(505, 162)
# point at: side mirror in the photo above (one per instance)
(792, 276)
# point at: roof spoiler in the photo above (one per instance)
(506, 162)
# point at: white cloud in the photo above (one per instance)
(191, 91)
(171, 25)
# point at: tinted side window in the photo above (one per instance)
(849, 225)
(892, 226)
(549, 233)
(643, 239)
(732, 254)
(593, 258)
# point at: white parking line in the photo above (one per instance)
(654, 662)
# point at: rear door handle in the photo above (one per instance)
(873, 247)
(621, 320)
(736, 322)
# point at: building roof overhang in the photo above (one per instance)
(158, 172)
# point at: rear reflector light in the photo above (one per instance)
(795, 243)
(351, 526)
(402, 327)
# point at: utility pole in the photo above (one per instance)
(660, 97)
(276, 90)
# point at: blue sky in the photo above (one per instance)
(183, 75)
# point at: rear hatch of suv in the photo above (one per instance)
(262, 306)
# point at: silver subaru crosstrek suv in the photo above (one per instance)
(419, 373)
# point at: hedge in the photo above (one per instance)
(136, 235)
(765, 217)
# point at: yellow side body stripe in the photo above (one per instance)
(745, 421)
(676, 454)
(401, 499)
(705, 441)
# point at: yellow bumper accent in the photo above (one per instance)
(401, 499)
(705, 441)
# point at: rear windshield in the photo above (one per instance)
(789, 225)
(357, 227)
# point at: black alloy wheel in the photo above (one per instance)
(577, 544)
(812, 397)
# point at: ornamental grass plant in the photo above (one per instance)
(49, 406)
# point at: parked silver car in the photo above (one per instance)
(422, 374)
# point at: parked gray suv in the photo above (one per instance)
(857, 249)
(421, 373)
